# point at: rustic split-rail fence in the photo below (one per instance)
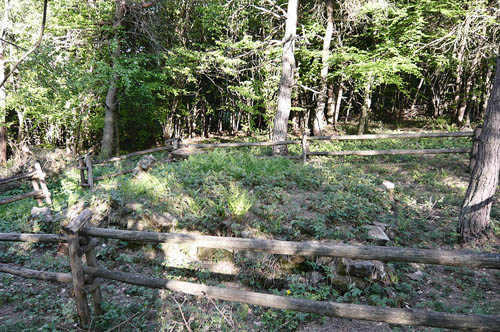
(182, 149)
(82, 241)
(40, 189)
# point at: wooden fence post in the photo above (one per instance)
(36, 187)
(175, 143)
(305, 147)
(88, 163)
(475, 147)
(81, 167)
(95, 289)
(71, 233)
(41, 179)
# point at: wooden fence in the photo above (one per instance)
(82, 241)
(86, 163)
(40, 189)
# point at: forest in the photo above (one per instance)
(130, 74)
(253, 165)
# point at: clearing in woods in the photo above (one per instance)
(236, 193)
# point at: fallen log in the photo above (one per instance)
(17, 237)
(389, 136)
(35, 274)
(309, 248)
(388, 152)
(36, 193)
(342, 310)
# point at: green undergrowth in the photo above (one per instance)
(239, 192)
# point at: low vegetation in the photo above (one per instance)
(240, 192)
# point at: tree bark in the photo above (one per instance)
(474, 216)
(3, 93)
(338, 103)
(365, 109)
(286, 82)
(110, 117)
(320, 119)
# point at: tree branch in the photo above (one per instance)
(16, 46)
(33, 49)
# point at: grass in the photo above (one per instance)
(238, 193)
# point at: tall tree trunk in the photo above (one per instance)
(116, 131)
(3, 110)
(3, 93)
(320, 119)
(110, 104)
(474, 216)
(462, 109)
(458, 86)
(286, 82)
(486, 90)
(20, 121)
(338, 103)
(414, 104)
(330, 104)
(365, 109)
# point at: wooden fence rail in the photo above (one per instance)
(390, 136)
(86, 163)
(388, 152)
(40, 189)
(82, 277)
(332, 309)
(308, 248)
(17, 177)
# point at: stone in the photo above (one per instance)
(217, 255)
(184, 153)
(163, 222)
(417, 276)
(388, 185)
(377, 235)
(42, 220)
(343, 283)
(374, 270)
(290, 263)
(324, 261)
(40, 211)
(380, 224)
(133, 208)
(144, 164)
(314, 277)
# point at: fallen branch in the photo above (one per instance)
(126, 321)
(182, 314)
(33, 49)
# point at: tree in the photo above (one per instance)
(110, 130)
(474, 216)
(3, 94)
(286, 82)
(320, 120)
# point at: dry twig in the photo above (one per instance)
(126, 321)
(221, 313)
(182, 313)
